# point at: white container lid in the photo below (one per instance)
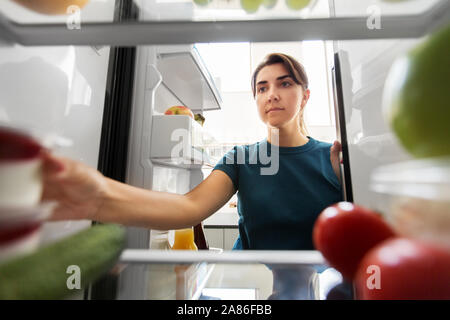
(423, 178)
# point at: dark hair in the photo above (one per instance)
(295, 69)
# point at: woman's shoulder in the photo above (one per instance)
(321, 144)
(322, 147)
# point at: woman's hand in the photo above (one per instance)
(335, 150)
(78, 189)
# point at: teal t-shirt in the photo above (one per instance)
(281, 191)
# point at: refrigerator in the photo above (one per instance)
(100, 77)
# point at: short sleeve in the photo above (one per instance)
(228, 164)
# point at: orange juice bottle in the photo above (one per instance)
(184, 240)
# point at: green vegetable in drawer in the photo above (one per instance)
(62, 268)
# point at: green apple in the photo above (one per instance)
(202, 2)
(269, 4)
(417, 97)
(251, 6)
(297, 4)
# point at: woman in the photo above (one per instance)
(277, 210)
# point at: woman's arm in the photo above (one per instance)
(84, 193)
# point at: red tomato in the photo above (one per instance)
(344, 232)
(405, 269)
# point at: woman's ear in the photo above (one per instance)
(305, 99)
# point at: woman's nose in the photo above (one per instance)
(273, 95)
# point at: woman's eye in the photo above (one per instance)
(261, 89)
(285, 83)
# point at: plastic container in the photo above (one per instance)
(21, 164)
(418, 198)
(20, 169)
(21, 228)
(18, 241)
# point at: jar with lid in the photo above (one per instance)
(161, 278)
(159, 240)
(416, 198)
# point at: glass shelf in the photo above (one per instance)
(205, 275)
(184, 22)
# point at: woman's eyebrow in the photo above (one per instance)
(283, 77)
(279, 78)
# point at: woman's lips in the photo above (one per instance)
(275, 109)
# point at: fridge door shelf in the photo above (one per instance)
(286, 257)
(177, 141)
(186, 76)
(197, 159)
(294, 274)
(407, 19)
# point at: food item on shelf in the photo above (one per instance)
(416, 197)
(199, 237)
(20, 169)
(10, 234)
(199, 118)
(184, 240)
(404, 269)
(416, 97)
(15, 145)
(180, 110)
(159, 240)
(345, 232)
(202, 2)
(17, 240)
(21, 228)
(251, 6)
(269, 4)
(46, 274)
(51, 7)
(297, 4)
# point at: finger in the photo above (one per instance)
(337, 146)
(334, 150)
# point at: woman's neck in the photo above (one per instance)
(286, 137)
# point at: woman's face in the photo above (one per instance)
(278, 97)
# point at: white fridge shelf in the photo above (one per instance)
(186, 76)
(177, 141)
(171, 24)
